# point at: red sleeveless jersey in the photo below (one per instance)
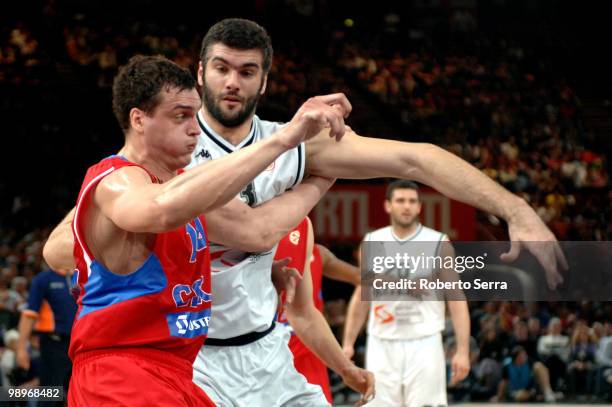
(316, 272)
(293, 245)
(163, 305)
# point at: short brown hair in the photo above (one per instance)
(401, 184)
(139, 82)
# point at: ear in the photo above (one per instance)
(200, 74)
(137, 117)
(419, 206)
(263, 86)
(387, 206)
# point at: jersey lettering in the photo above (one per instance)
(197, 237)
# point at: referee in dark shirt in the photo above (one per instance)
(50, 312)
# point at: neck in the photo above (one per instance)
(404, 231)
(233, 135)
(142, 157)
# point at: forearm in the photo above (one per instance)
(26, 325)
(258, 229)
(313, 330)
(280, 215)
(215, 183)
(455, 178)
(356, 316)
(337, 269)
(461, 324)
(356, 157)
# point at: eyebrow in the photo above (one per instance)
(245, 65)
(187, 107)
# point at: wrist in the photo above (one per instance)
(515, 209)
(282, 140)
(345, 368)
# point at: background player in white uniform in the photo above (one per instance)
(404, 348)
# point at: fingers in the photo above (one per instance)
(293, 278)
(338, 100)
(548, 261)
(560, 257)
(369, 393)
(281, 263)
(512, 255)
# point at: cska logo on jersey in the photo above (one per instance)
(197, 235)
(294, 237)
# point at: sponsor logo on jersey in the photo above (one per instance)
(189, 324)
(204, 153)
(294, 237)
(382, 315)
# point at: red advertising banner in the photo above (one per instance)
(349, 211)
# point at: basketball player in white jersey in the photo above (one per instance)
(404, 348)
(234, 63)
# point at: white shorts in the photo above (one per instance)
(409, 373)
(259, 374)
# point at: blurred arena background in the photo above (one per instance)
(521, 89)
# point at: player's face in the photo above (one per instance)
(232, 82)
(404, 207)
(173, 129)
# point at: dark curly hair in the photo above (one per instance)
(400, 184)
(240, 34)
(139, 83)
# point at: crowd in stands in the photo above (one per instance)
(496, 107)
(542, 351)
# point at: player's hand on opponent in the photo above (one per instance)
(460, 367)
(360, 380)
(526, 229)
(285, 279)
(316, 114)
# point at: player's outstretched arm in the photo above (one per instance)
(312, 328)
(258, 229)
(337, 269)
(358, 157)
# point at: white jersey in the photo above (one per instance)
(244, 298)
(408, 319)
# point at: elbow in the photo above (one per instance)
(49, 253)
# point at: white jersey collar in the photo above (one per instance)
(223, 143)
(409, 237)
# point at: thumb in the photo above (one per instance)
(282, 262)
(512, 255)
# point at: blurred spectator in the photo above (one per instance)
(581, 368)
(554, 350)
(520, 376)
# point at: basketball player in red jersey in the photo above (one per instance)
(141, 246)
(307, 305)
